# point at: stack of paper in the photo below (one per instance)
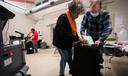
(89, 39)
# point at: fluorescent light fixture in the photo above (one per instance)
(10, 2)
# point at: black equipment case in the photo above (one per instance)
(85, 61)
(29, 47)
(12, 59)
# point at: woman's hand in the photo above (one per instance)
(83, 41)
(74, 43)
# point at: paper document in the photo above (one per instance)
(89, 39)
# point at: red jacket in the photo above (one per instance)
(35, 37)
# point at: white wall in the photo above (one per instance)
(45, 31)
(119, 9)
(20, 23)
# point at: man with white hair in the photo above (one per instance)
(97, 24)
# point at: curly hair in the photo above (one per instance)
(73, 6)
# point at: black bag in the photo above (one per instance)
(39, 43)
(85, 61)
(29, 47)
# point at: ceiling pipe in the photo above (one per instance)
(45, 6)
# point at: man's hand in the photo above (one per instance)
(97, 42)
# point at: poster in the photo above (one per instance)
(119, 20)
(118, 23)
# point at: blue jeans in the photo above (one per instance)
(35, 46)
(66, 56)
